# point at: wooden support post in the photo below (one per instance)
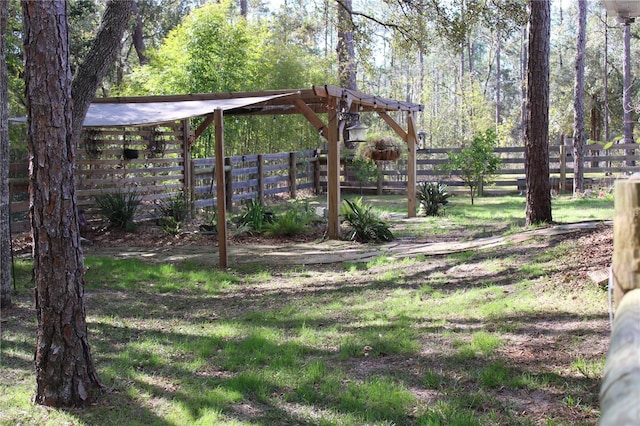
(563, 167)
(412, 141)
(293, 172)
(620, 388)
(220, 187)
(261, 179)
(333, 171)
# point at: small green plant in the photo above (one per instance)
(119, 207)
(476, 162)
(255, 217)
(365, 170)
(433, 196)
(365, 225)
(288, 224)
(175, 207)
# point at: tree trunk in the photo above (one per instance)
(498, 80)
(138, 36)
(524, 58)
(345, 49)
(626, 95)
(605, 77)
(536, 142)
(5, 226)
(578, 101)
(103, 52)
(65, 374)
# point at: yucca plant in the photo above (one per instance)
(365, 225)
(119, 207)
(433, 196)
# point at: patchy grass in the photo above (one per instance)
(495, 336)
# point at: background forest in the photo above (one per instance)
(464, 60)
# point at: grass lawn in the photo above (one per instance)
(512, 335)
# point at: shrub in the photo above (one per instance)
(288, 224)
(119, 207)
(255, 217)
(365, 225)
(433, 196)
(174, 207)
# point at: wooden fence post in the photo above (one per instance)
(316, 172)
(620, 388)
(563, 167)
(228, 181)
(187, 167)
(261, 179)
(293, 172)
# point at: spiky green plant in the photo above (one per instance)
(365, 225)
(119, 206)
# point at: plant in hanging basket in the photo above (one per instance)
(383, 148)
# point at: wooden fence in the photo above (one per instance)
(155, 163)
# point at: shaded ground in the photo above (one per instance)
(547, 346)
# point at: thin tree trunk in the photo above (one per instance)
(524, 59)
(538, 207)
(138, 35)
(605, 77)
(100, 57)
(578, 101)
(65, 373)
(5, 226)
(345, 48)
(498, 81)
(626, 95)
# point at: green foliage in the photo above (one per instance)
(255, 218)
(433, 196)
(476, 162)
(365, 225)
(365, 170)
(292, 222)
(175, 207)
(119, 206)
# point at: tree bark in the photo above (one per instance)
(5, 226)
(103, 52)
(345, 48)
(65, 373)
(138, 36)
(578, 101)
(538, 207)
(626, 95)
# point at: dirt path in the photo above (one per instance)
(325, 252)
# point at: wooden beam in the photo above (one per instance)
(365, 100)
(308, 113)
(626, 237)
(392, 123)
(412, 140)
(333, 171)
(220, 187)
(202, 127)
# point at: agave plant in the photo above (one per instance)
(433, 196)
(365, 225)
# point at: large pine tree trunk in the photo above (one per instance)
(5, 227)
(578, 101)
(536, 144)
(65, 374)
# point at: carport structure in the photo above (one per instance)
(327, 108)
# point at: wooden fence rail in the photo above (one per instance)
(163, 169)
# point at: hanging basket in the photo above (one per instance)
(383, 149)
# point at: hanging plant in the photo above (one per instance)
(384, 148)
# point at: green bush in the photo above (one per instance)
(119, 207)
(365, 225)
(255, 218)
(290, 223)
(433, 196)
(175, 207)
